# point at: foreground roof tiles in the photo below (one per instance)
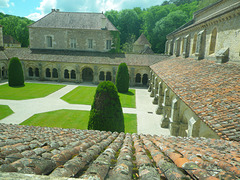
(211, 90)
(88, 154)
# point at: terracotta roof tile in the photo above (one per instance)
(105, 155)
(211, 90)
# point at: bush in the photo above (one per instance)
(122, 78)
(15, 73)
(106, 111)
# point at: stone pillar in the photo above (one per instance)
(59, 69)
(171, 47)
(160, 99)
(114, 70)
(177, 47)
(155, 90)
(201, 41)
(77, 73)
(152, 86)
(191, 123)
(41, 73)
(24, 70)
(174, 119)
(186, 47)
(166, 109)
(95, 75)
(150, 81)
(132, 72)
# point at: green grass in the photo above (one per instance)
(5, 111)
(74, 119)
(29, 91)
(85, 95)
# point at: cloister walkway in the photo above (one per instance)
(147, 121)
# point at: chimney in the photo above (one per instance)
(53, 10)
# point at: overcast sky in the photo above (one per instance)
(35, 9)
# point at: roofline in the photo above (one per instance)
(207, 7)
(72, 28)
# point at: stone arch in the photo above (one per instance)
(66, 74)
(194, 43)
(87, 74)
(48, 73)
(73, 74)
(213, 41)
(3, 70)
(37, 73)
(55, 73)
(145, 79)
(138, 78)
(30, 72)
(109, 76)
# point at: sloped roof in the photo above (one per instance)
(90, 154)
(74, 20)
(82, 57)
(142, 40)
(7, 39)
(211, 90)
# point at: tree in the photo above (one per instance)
(106, 111)
(122, 78)
(15, 73)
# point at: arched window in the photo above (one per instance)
(66, 74)
(145, 79)
(138, 78)
(30, 72)
(73, 74)
(108, 76)
(55, 73)
(194, 44)
(101, 76)
(36, 72)
(213, 41)
(48, 73)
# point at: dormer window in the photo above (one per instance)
(49, 41)
(73, 43)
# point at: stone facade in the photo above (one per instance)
(9, 41)
(212, 34)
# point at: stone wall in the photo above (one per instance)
(216, 39)
(176, 115)
(61, 39)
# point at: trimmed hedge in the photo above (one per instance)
(15, 73)
(106, 111)
(122, 78)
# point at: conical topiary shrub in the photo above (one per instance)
(122, 78)
(15, 73)
(106, 111)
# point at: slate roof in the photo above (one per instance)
(73, 20)
(89, 154)
(211, 90)
(82, 57)
(7, 39)
(142, 40)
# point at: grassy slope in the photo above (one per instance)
(5, 111)
(29, 91)
(74, 119)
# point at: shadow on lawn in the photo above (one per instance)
(128, 93)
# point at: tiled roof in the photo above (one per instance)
(74, 20)
(7, 39)
(142, 40)
(89, 154)
(82, 57)
(211, 90)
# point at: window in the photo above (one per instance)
(73, 43)
(49, 41)
(73, 74)
(101, 76)
(66, 74)
(55, 73)
(108, 76)
(90, 43)
(48, 73)
(36, 72)
(108, 44)
(138, 78)
(30, 72)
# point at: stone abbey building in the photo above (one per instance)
(195, 85)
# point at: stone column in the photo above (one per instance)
(177, 47)
(155, 91)
(150, 82)
(132, 72)
(200, 49)
(160, 99)
(59, 69)
(77, 73)
(174, 119)
(186, 48)
(171, 47)
(95, 75)
(166, 109)
(114, 70)
(152, 85)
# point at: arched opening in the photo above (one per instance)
(55, 73)
(73, 74)
(48, 73)
(3, 72)
(87, 74)
(194, 43)
(101, 76)
(66, 74)
(36, 72)
(30, 72)
(108, 76)
(213, 41)
(145, 79)
(138, 78)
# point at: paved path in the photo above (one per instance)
(148, 123)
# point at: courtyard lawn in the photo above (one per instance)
(85, 95)
(29, 91)
(5, 111)
(74, 119)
